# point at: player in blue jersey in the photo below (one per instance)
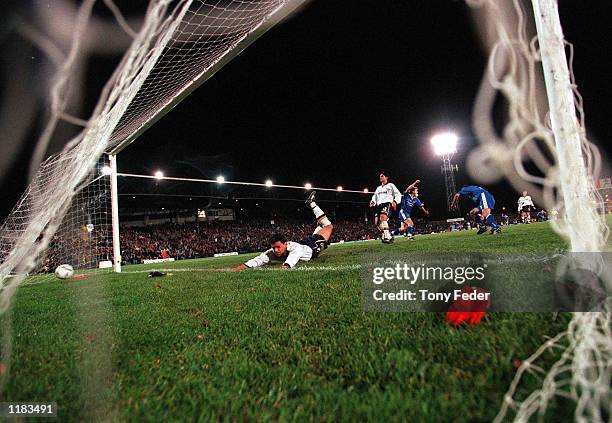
(485, 204)
(410, 202)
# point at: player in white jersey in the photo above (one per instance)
(385, 198)
(289, 253)
(524, 207)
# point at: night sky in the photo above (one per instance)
(344, 89)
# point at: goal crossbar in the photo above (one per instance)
(255, 184)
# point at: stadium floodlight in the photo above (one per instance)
(220, 179)
(339, 188)
(307, 185)
(444, 144)
(106, 170)
(269, 183)
(365, 190)
(159, 175)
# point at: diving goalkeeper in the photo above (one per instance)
(289, 253)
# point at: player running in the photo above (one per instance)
(410, 201)
(505, 219)
(289, 253)
(524, 207)
(385, 198)
(484, 202)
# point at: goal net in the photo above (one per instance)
(545, 127)
(178, 46)
(84, 237)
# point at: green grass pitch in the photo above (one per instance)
(203, 344)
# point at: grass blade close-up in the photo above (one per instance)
(204, 344)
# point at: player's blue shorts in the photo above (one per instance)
(405, 214)
(486, 201)
(316, 243)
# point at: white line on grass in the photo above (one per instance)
(40, 279)
(262, 269)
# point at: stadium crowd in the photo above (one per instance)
(191, 240)
(204, 239)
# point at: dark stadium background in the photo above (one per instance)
(332, 96)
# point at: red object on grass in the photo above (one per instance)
(467, 310)
(456, 318)
(82, 276)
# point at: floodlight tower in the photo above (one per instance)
(445, 146)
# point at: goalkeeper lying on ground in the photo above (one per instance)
(288, 252)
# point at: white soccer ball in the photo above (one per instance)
(64, 271)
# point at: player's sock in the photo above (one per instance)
(491, 221)
(410, 230)
(482, 228)
(479, 221)
(316, 210)
(384, 227)
(322, 220)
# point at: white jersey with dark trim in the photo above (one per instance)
(386, 194)
(524, 201)
(295, 252)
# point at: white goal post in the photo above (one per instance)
(115, 213)
(585, 232)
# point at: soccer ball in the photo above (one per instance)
(64, 271)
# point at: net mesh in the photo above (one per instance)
(514, 72)
(84, 238)
(179, 41)
(207, 31)
(560, 175)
